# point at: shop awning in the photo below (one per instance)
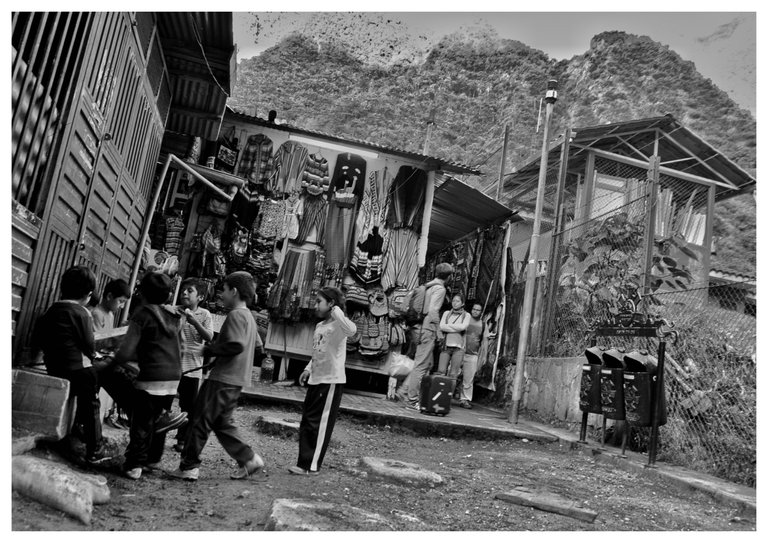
(459, 209)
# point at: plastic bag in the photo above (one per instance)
(400, 365)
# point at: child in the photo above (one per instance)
(196, 330)
(473, 337)
(326, 377)
(65, 335)
(113, 298)
(115, 294)
(217, 399)
(153, 340)
(454, 323)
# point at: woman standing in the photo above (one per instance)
(326, 377)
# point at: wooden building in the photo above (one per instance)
(92, 97)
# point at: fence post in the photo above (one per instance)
(650, 222)
(553, 264)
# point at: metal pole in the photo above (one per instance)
(650, 222)
(658, 403)
(522, 346)
(503, 162)
(145, 234)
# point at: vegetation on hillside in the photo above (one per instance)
(475, 82)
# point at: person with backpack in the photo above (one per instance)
(424, 319)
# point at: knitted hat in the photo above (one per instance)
(156, 287)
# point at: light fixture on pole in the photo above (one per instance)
(522, 346)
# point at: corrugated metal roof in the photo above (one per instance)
(432, 162)
(200, 84)
(636, 139)
(458, 210)
(724, 276)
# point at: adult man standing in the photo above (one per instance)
(425, 334)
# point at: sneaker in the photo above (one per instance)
(186, 474)
(412, 406)
(296, 470)
(465, 404)
(98, 456)
(134, 473)
(169, 421)
(252, 466)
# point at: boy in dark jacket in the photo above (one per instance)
(65, 336)
(152, 340)
(217, 399)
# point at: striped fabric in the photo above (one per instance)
(401, 267)
(316, 173)
(290, 162)
(315, 211)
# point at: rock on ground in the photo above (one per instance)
(309, 515)
(401, 472)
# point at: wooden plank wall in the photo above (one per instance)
(25, 229)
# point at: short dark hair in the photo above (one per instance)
(117, 288)
(244, 283)
(443, 271)
(333, 294)
(200, 286)
(156, 288)
(460, 295)
(77, 282)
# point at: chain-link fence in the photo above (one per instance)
(635, 239)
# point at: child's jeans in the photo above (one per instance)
(188, 387)
(145, 446)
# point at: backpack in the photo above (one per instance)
(416, 301)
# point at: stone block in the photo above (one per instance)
(400, 472)
(310, 515)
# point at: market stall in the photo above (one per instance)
(307, 210)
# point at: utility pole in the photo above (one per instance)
(522, 346)
(503, 162)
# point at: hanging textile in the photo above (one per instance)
(401, 260)
(407, 195)
(245, 206)
(289, 164)
(270, 222)
(315, 179)
(338, 229)
(174, 226)
(314, 214)
(349, 174)
(490, 266)
(256, 162)
(373, 206)
(367, 259)
(291, 297)
(294, 207)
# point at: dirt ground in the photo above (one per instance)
(474, 471)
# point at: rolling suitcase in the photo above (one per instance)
(436, 392)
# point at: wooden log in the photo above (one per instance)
(40, 404)
(546, 501)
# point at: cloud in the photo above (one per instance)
(723, 32)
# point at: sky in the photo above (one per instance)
(721, 44)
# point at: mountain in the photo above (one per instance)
(475, 82)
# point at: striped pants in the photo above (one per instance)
(321, 406)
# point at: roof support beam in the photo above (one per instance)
(635, 149)
(665, 171)
(707, 166)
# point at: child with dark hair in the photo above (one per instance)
(65, 336)
(115, 294)
(196, 330)
(153, 340)
(113, 298)
(326, 377)
(217, 399)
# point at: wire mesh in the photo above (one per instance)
(603, 262)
